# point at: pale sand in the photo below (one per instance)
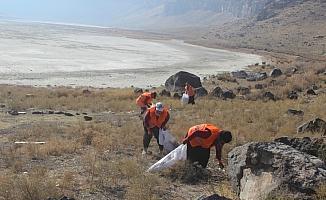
(41, 55)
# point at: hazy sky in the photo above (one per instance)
(99, 12)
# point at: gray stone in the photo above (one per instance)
(314, 125)
(239, 74)
(257, 76)
(68, 114)
(312, 146)
(87, 118)
(293, 95)
(217, 92)
(201, 92)
(228, 94)
(295, 112)
(311, 92)
(258, 170)
(275, 72)
(176, 83)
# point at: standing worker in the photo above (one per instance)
(155, 119)
(189, 90)
(201, 138)
(144, 101)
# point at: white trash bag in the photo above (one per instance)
(185, 98)
(168, 142)
(178, 154)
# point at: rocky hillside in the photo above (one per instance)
(287, 26)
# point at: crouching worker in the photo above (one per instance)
(201, 138)
(144, 101)
(155, 119)
(189, 90)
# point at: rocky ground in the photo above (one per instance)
(92, 137)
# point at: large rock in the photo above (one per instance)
(239, 74)
(257, 76)
(312, 146)
(275, 72)
(295, 112)
(228, 94)
(314, 125)
(176, 83)
(213, 197)
(201, 92)
(217, 92)
(293, 95)
(259, 170)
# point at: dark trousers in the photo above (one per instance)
(147, 137)
(191, 100)
(198, 154)
(143, 110)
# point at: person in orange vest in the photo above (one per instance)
(189, 90)
(155, 119)
(144, 101)
(201, 138)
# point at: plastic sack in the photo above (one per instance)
(185, 98)
(167, 140)
(178, 154)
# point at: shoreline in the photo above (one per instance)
(197, 59)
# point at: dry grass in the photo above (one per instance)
(102, 158)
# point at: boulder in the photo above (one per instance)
(2, 105)
(312, 146)
(88, 118)
(311, 92)
(295, 112)
(176, 83)
(228, 94)
(243, 90)
(68, 114)
(217, 92)
(59, 113)
(269, 96)
(239, 74)
(257, 76)
(138, 91)
(293, 95)
(165, 93)
(261, 170)
(275, 72)
(13, 112)
(314, 125)
(201, 92)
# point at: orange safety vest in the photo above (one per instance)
(204, 142)
(155, 120)
(144, 99)
(190, 90)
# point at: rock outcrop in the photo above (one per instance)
(312, 146)
(257, 170)
(176, 83)
(314, 125)
(201, 92)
